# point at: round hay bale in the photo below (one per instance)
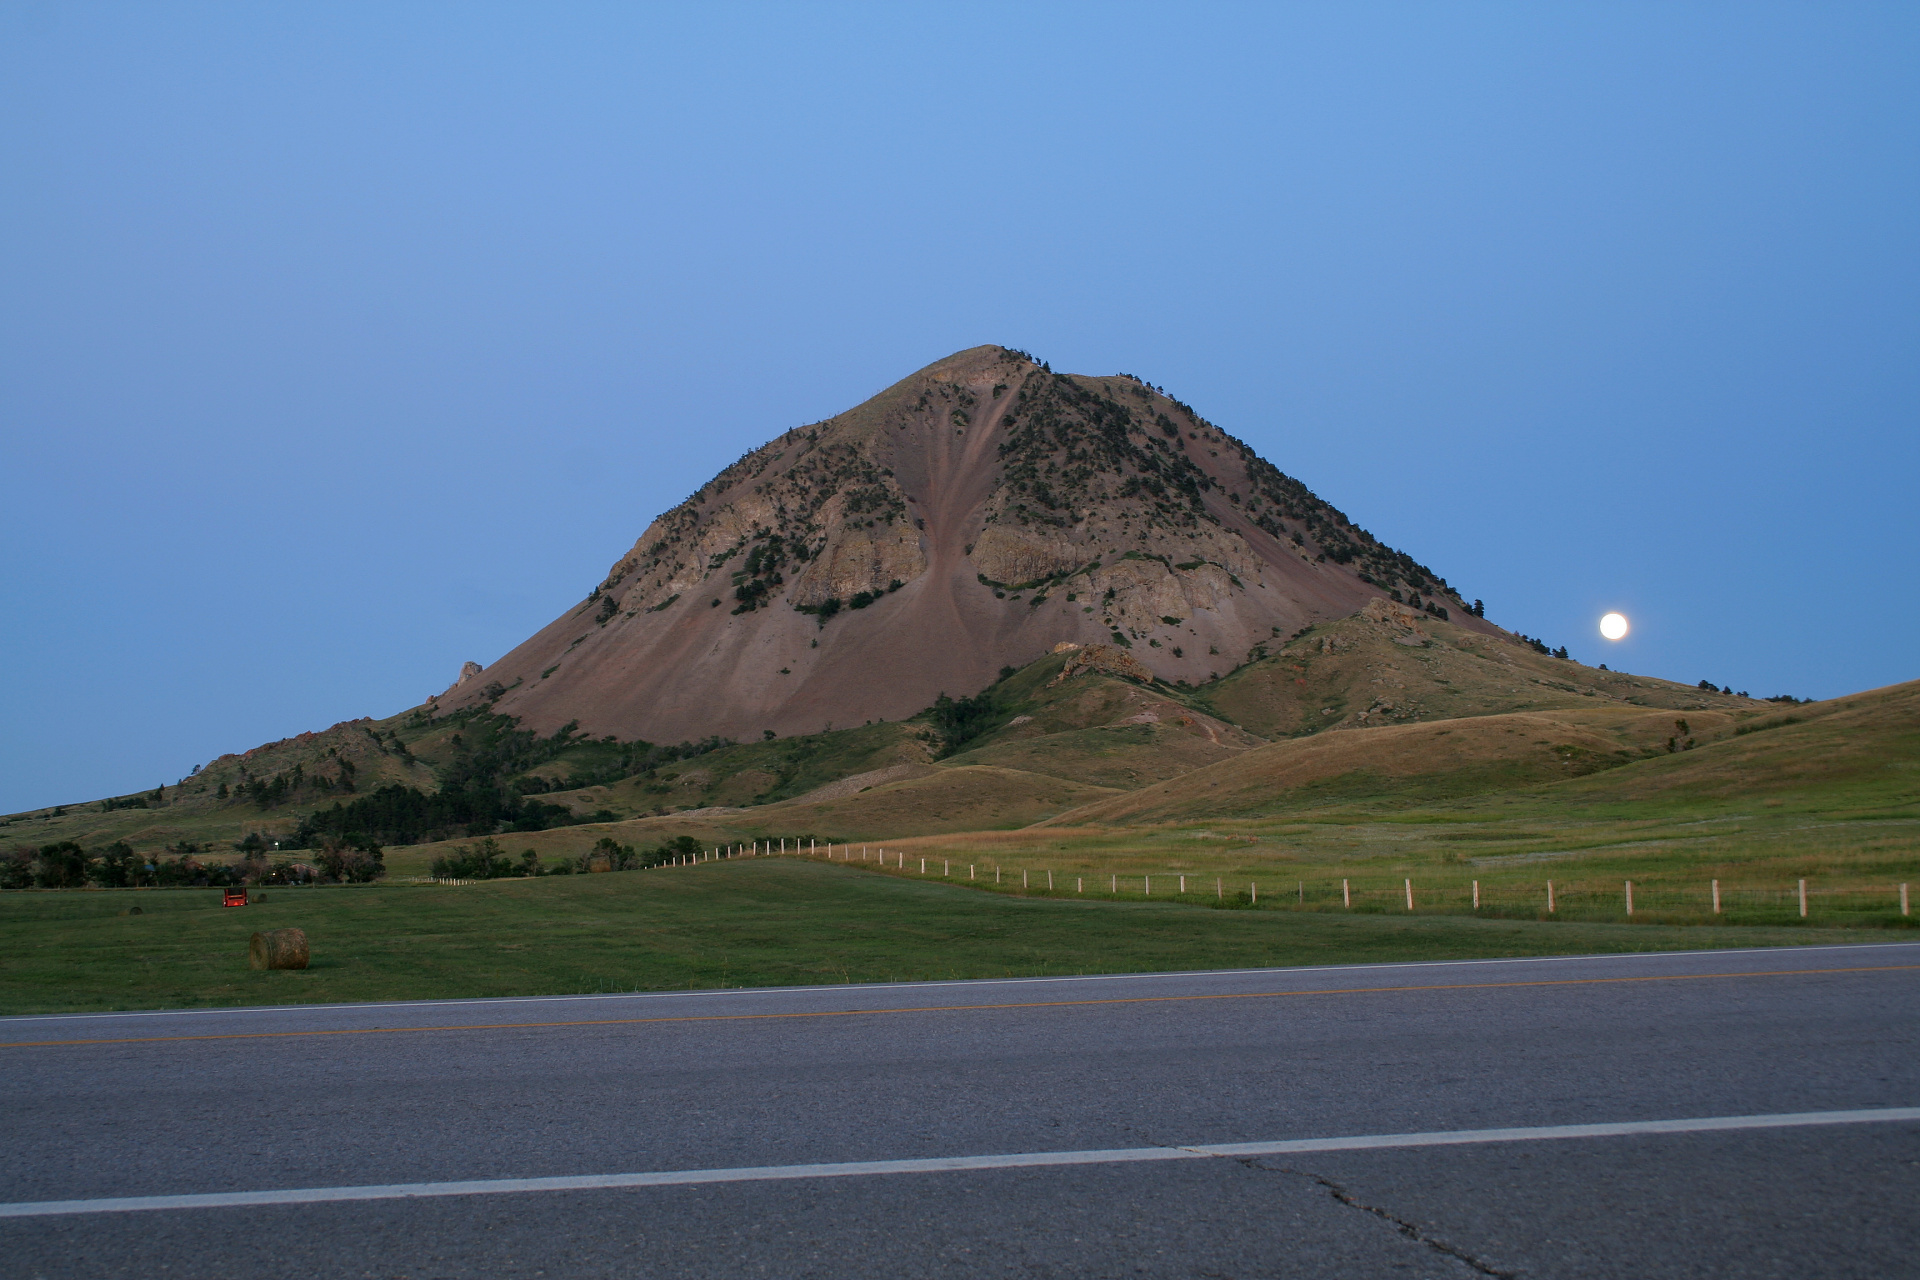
(134, 911)
(278, 949)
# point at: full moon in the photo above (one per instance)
(1614, 626)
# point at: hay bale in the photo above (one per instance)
(278, 949)
(133, 911)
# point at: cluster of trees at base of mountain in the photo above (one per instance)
(474, 799)
(487, 860)
(397, 814)
(67, 865)
(961, 720)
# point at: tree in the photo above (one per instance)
(115, 867)
(61, 866)
(359, 863)
(16, 867)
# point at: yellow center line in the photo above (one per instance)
(959, 1008)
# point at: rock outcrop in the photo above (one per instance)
(973, 516)
(1107, 660)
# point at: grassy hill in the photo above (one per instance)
(1387, 665)
(1021, 858)
(1392, 746)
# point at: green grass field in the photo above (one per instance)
(762, 922)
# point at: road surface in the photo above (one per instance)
(1751, 1113)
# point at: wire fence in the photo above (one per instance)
(1661, 901)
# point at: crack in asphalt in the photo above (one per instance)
(1339, 1193)
(1404, 1227)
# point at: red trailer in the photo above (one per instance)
(234, 898)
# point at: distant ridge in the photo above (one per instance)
(970, 517)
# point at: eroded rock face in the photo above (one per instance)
(1108, 660)
(468, 670)
(975, 515)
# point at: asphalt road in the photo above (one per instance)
(779, 1090)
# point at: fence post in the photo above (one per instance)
(1023, 877)
(1716, 897)
(1079, 884)
(970, 874)
(1303, 892)
(1549, 897)
(946, 868)
(1049, 879)
(1409, 895)
(1476, 895)
(1253, 891)
(1803, 899)
(1346, 895)
(1183, 884)
(1148, 890)
(996, 873)
(1629, 897)
(1903, 898)
(1114, 888)
(923, 866)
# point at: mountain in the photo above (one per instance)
(973, 516)
(1122, 596)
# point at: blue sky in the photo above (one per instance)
(341, 343)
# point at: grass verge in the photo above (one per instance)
(767, 922)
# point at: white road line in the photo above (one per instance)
(949, 1164)
(842, 988)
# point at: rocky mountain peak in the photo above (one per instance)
(973, 515)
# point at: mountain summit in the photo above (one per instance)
(975, 515)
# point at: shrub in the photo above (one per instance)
(486, 861)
